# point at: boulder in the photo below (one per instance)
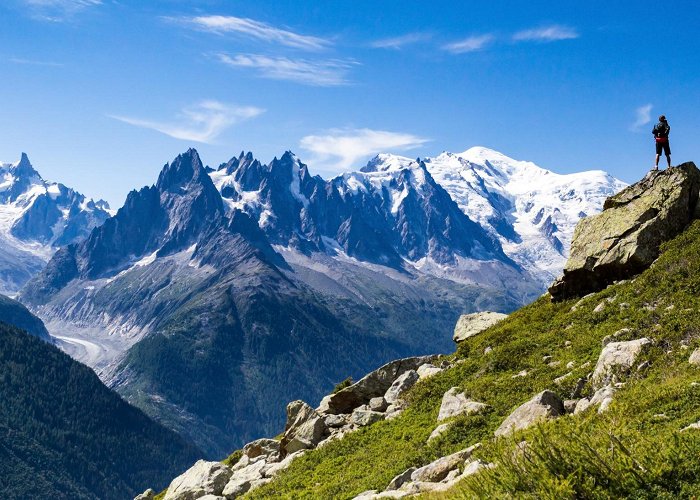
(337, 421)
(149, 494)
(365, 416)
(261, 447)
(243, 480)
(469, 325)
(378, 404)
(400, 386)
(624, 239)
(203, 478)
(602, 398)
(456, 403)
(428, 370)
(694, 358)
(544, 406)
(439, 469)
(305, 428)
(372, 385)
(617, 358)
(400, 479)
(439, 431)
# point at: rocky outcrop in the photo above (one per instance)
(616, 359)
(456, 403)
(400, 386)
(544, 406)
(625, 238)
(203, 478)
(149, 494)
(305, 428)
(370, 386)
(469, 325)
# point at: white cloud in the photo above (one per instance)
(546, 34)
(643, 116)
(203, 122)
(339, 150)
(326, 73)
(470, 44)
(57, 10)
(399, 42)
(254, 29)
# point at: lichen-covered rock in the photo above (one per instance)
(544, 406)
(439, 431)
(365, 416)
(428, 370)
(456, 403)
(617, 358)
(400, 386)
(378, 404)
(625, 238)
(305, 428)
(370, 386)
(469, 325)
(400, 479)
(201, 479)
(602, 398)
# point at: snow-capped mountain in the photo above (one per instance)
(531, 211)
(37, 217)
(198, 311)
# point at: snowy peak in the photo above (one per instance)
(388, 163)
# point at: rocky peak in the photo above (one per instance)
(187, 167)
(24, 168)
(625, 238)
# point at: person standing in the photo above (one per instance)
(661, 131)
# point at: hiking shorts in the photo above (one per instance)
(663, 146)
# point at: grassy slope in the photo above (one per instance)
(629, 451)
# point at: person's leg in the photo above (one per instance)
(656, 163)
(667, 147)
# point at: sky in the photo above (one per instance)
(102, 93)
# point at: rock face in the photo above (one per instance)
(456, 403)
(469, 325)
(625, 238)
(373, 385)
(203, 478)
(617, 357)
(545, 406)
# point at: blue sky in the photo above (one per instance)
(102, 93)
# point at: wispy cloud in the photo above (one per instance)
(254, 29)
(57, 10)
(32, 62)
(203, 122)
(642, 117)
(546, 34)
(324, 73)
(470, 44)
(399, 42)
(340, 149)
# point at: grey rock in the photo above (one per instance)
(146, 495)
(261, 447)
(694, 358)
(602, 398)
(201, 479)
(400, 479)
(469, 325)
(625, 238)
(305, 428)
(439, 469)
(370, 386)
(378, 404)
(362, 417)
(544, 406)
(336, 421)
(273, 469)
(456, 403)
(400, 386)
(428, 370)
(617, 358)
(439, 431)
(691, 427)
(570, 405)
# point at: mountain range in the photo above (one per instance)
(216, 293)
(36, 218)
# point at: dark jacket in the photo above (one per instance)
(661, 129)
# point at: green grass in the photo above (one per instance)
(629, 451)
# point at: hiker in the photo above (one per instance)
(661, 131)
